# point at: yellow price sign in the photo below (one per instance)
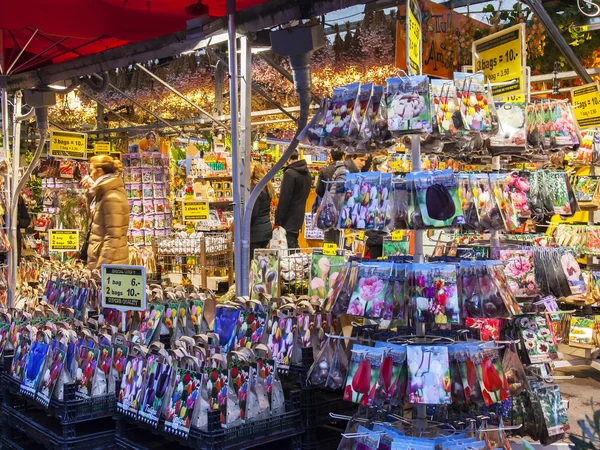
(102, 148)
(501, 57)
(192, 210)
(64, 144)
(398, 235)
(361, 236)
(518, 98)
(63, 240)
(586, 105)
(330, 249)
(413, 37)
(124, 287)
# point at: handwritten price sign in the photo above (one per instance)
(63, 240)
(64, 144)
(586, 105)
(501, 57)
(413, 37)
(124, 287)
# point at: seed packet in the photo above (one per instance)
(239, 380)
(51, 373)
(338, 371)
(565, 129)
(581, 332)
(434, 293)
(502, 196)
(428, 375)
(435, 203)
(369, 292)
(467, 202)
(226, 320)
(487, 209)
(572, 271)
(319, 370)
(20, 357)
(250, 328)
(408, 105)
(586, 193)
(182, 402)
(360, 110)
(131, 386)
(514, 372)
(556, 186)
(367, 127)
(554, 411)
(492, 382)
(456, 387)
(474, 108)
(445, 107)
(264, 277)
(382, 136)
(537, 339)
(363, 373)
(281, 339)
(157, 381)
(324, 270)
(33, 369)
(195, 310)
(518, 268)
(391, 385)
(88, 361)
(340, 110)
(360, 208)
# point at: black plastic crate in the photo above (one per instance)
(317, 403)
(321, 438)
(70, 410)
(45, 431)
(297, 373)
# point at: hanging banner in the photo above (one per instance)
(501, 57)
(124, 287)
(586, 105)
(63, 240)
(64, 144)
(102, 148)
(413, 38)
(192, 210)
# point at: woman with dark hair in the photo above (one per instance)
(149, 143)
(261, 229)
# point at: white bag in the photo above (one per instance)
(279, 239)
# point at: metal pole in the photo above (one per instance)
(176, 92)
(537, 7)
(285, 74)
(245, 120)
(7, 189)
(235, 156)
(91, 97)
(14, 208)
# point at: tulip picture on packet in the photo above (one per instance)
(50, 377)
(183, 402)
(33, 369)
(85, 373)
(363, 374)
(428, 375)
(157, 382)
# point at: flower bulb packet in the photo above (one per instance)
(456, 387)
(496, 270)
(361, 202)
(571, 268)
(195, 313)
(434, 293)
(360, 110)
(468, 372)
(586, 193)
(368, 296)
(437, 203)
(408, 105)
(565, 128)
(519, 271)
(519, 189)
(183, 402)
(537, 339)
(129, 397)
(474, 108)
(250, 328)
(338, 370)
(368, 127)
(20, 357)
(492, 301)
(502, 196)
(363, 374)
(487, 209)
(156, 385)
(472, 298)
(511, 117)
(428, 374)
(281, 339)
(340, 110)
(445, 108)
(51, 374)
(488, 364)
(239, 380)
(150, 320)
(554, 412)
(467, 202)
(556, 185)
(514, 372)
(391, 384)
(226, 321)
(33, 370)
(324, 270)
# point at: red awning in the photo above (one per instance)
(66, 29)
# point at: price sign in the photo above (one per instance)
(586, 105)
(330, 249)
(194, 211)
(124, 287)
(63, 240)
(64, 144)
(102, 148)
(398, 235)
(413, 37)
(501, 57)
(361, 236)
(518, 98)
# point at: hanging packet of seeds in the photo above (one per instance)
(340, 110)
(445, 108)
(399, 204)
(519, 271)
(565, 128)
(251, 325)
(399, 311)
(195, 313)
(156, 384)
(319, 370)
(558, 190)
(339, 367)
(33, 369)
(408, 105)
(511, 117)
(474, 108)
(435, 297)
(360, 111)
(572, 271)
(519, 189)
(428, 372)
(437, 195)
(368, 296)
(531, 128)
(496, 270)
(488, 364)
(493, 303)
(514, 371)
(545, 113)
(555, 413)
(586, 193)
(467, 202)
(384, 209)
(468, 373)
(487, 209)
(499, 183)
(392, 385)
(359, 211)
(363, 373)
(324, 270)
(456, 387)
(336, 288)
(472, 299)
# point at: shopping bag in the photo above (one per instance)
(279, 239)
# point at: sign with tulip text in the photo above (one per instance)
(586, 105)
(64, 144)
(501, 58)
(329, 249)
(413, 37)
(124, 287)
(194, 211)
(63, 240)
(102, 148)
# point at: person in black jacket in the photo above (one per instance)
(261, 229)
(295, 187)
(326, 173)
(23, 221)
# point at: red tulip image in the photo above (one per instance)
(386, 372)
(491, 380)
(361, 382)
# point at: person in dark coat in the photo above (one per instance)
(24, 220)
(261, 229)
(295, 187)
(326, 173)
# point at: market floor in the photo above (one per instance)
(583, 391)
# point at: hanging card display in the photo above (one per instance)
(428, 375)
(408, 105)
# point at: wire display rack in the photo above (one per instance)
(204, 260)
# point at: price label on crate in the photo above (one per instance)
(64, 144)
(192, 210)
(124, 287)
(330, 249)
(398, 235)
(413, 37)
(63, 240)
(586, 105)
(501, 57)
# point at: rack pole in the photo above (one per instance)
(7, 188)
(494, 236)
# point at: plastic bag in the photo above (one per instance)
(514, 372)
(408, 105)
(328, 214)
(319, 370)
(474, 107)
(279, 240)
(338, 369)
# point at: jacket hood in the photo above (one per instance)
(350, 165)
(299, 166)
(109, 185)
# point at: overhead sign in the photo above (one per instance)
(192, 210)
(586, 105)
(501, 57)
(124, 287)
(413, 38)
(64, 144)
(63, 240)
(102, 148)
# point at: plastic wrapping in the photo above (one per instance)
(339, 367)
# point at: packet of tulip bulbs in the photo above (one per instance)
(474, 108)
(514, 371)
(554, 412)
(226, 320)
(486, 359)
(88, 361)
(571, 268)
(398, 280)
(182, 404)
(496, 270)
(324, 270)
(512, 132)
(368, 126)
(361, 203)
(456, 387)
(151, 318)
(131, 385)
(518, 268)
(382, 136)
(519, 187)
(446, 108)
(468, 372)
(467, 202)
(360, 111)
(487, 209)
(392, 386)
(338, 369)
(471, 272)
(408, 106)
(565, 128)
(313, 132)
(434, 293)
(363, 373)
(437, 199)
(491, 297)
(157, 381)
(33, 370)
(319, 370)
(237, 392)
(587, 194)
(499, 183)
(368, 297)
(281, 339)
(428, 374)
(340, 110)
(250, 328)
